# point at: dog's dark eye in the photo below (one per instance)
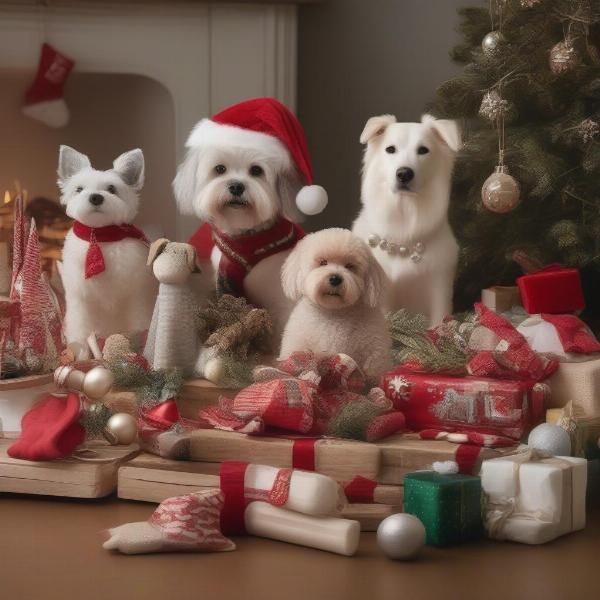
(322, 262)
(423, 150)
(349, 267)
(111, 189)
(256, 171)
(390, 149)
(220, 169)
(79, 189)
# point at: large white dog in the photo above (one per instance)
(405, 194)
(108, 287)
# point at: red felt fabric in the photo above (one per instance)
(202, 241)
(573, 333)
(232, 475)
(360, 490)
(53, 71)
(554, 289)
(94, 259)
(271, 117)
(50, 430)
(163, 415)
(303, 454)
(466, 457)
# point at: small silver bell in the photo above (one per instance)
(392, 248)
(403, 251)
(383, 244)
(374, 240)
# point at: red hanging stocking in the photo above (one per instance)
(44, 100)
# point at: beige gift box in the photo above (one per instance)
(533, 500)
(579, 383)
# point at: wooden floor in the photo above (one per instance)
(51, 549)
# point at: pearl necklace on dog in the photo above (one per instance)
(414, 252)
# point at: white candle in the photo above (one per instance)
(310, 493)
(324, 533)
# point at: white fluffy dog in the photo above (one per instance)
(243, 189)
(405, 195)
(108, 287)
(338, 285)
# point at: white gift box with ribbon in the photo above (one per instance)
(533, 498)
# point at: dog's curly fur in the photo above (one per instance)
(338, 286)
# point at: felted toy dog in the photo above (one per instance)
(108, 287)
(338, 286)
(405, 195)
(247, 174)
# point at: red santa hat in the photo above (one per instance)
(265, 124)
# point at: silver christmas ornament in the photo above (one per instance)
(493, 106)
(564, 57)
(551, 439)
(501, 192)
(401, 536)
(97, 383)
(121, 429)
(588, 129)
(374, 240)
(492, 43)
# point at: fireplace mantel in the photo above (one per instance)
(186, 47)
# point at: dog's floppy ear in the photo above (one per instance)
(70, 162)
(288, 186)
(292, 273)
(157, 248)
(130, 168)
(376, 282)
(184, 184)
(375, 127)
(446, 130)
(192, 259)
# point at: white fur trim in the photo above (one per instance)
(445, 467)
(53, 113)
(207, 133)
(311, 199)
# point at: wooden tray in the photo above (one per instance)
(72, 477)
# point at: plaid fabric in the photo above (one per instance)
(303, 395)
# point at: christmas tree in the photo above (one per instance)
(528, 98)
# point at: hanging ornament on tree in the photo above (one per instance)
(564, 57)
(492, 43)
(493, 106)
(44, 100)
(588, 130)
(501, 192)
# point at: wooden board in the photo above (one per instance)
(369, 515)
(72, 477)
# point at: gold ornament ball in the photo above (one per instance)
(492, 43)
(564, 57)
(122, 429)
(500, 192)
(97, 383)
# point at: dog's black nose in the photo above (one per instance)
(96, 199)
(236, 188)
(335, 280)
(405, 174)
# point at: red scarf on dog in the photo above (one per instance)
(94, 259)
(242, 252)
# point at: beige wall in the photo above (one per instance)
(109, 115)
(359, 58)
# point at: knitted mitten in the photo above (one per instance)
(187, 523)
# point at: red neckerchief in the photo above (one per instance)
(94, 259)
(242, 252)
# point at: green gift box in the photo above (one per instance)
(448, 505)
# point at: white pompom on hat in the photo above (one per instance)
(267, 124)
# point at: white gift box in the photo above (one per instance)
(532, 499)
(17, 396)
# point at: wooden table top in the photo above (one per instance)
(50, 549)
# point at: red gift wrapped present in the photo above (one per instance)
(554, 289)
(466, 404)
